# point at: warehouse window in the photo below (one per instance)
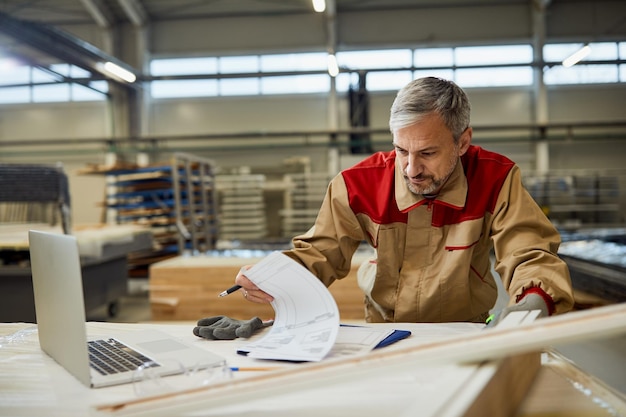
(433, 57)
(15, 95)
(477, 66)
(493, 55)
(238, 64)
(240, 87)
(383, 70)
(392, 58)
(184, 88)
(485, 76)
(295, 84)
(12, 73)
(183, 66)
(248, 83)
(90, 92)
(386, 70)
(27, 84)
(388, 80)
(494, 77)
(293, 62)
(51, 93)
(376, 60)
(582, 72)
(469, 66)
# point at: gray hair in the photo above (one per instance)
(431, 94)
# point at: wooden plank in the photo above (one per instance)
(186, 288)
(506, 388)
(493, 344)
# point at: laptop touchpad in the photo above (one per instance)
(162, 346)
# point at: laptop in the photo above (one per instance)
(60, 313)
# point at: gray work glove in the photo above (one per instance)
(226, 328)
(528, 303)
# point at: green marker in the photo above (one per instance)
(490, 318)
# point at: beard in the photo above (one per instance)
(434, 184)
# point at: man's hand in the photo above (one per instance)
(226, 328)
(528, 303)
(249, 290)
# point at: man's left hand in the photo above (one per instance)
(528, 303)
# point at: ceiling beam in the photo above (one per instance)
(98, 14)
(63, 46)
(134, 11)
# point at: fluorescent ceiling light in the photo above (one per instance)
(319, 5)
(574, 58)
(119, 72)
(333, 68)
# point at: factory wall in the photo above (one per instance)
(434, 26)
(172, 118)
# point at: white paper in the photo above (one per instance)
(355, 340)
(306, 319)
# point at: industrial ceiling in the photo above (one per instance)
(30, 28)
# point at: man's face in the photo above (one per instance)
(428, 154)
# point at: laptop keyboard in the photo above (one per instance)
(112, 357)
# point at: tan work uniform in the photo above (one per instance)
(432, 261)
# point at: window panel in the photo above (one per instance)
(557, 52)
(15, 95)
(433, 57)
(238, 64)
(379, 59)
(239, 86)
(77, 72)
(446, 74)
(14, 75)
(494, 77)
(581, 74)
(100, 86)
(81, 93)
(294, 62)
(8, 64)
(389, 58)
(63, 69)
(183, 66)
(602, 51)
(492, 55)
(344, 80)
(51, 93)
(40, 76)
(184, 88)
(387, 80)
(295, 84)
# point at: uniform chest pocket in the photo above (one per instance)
(463, 236)
(390, 246)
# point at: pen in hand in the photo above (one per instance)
(230, 290)
(234, 287)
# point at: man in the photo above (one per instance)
(433, 209)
